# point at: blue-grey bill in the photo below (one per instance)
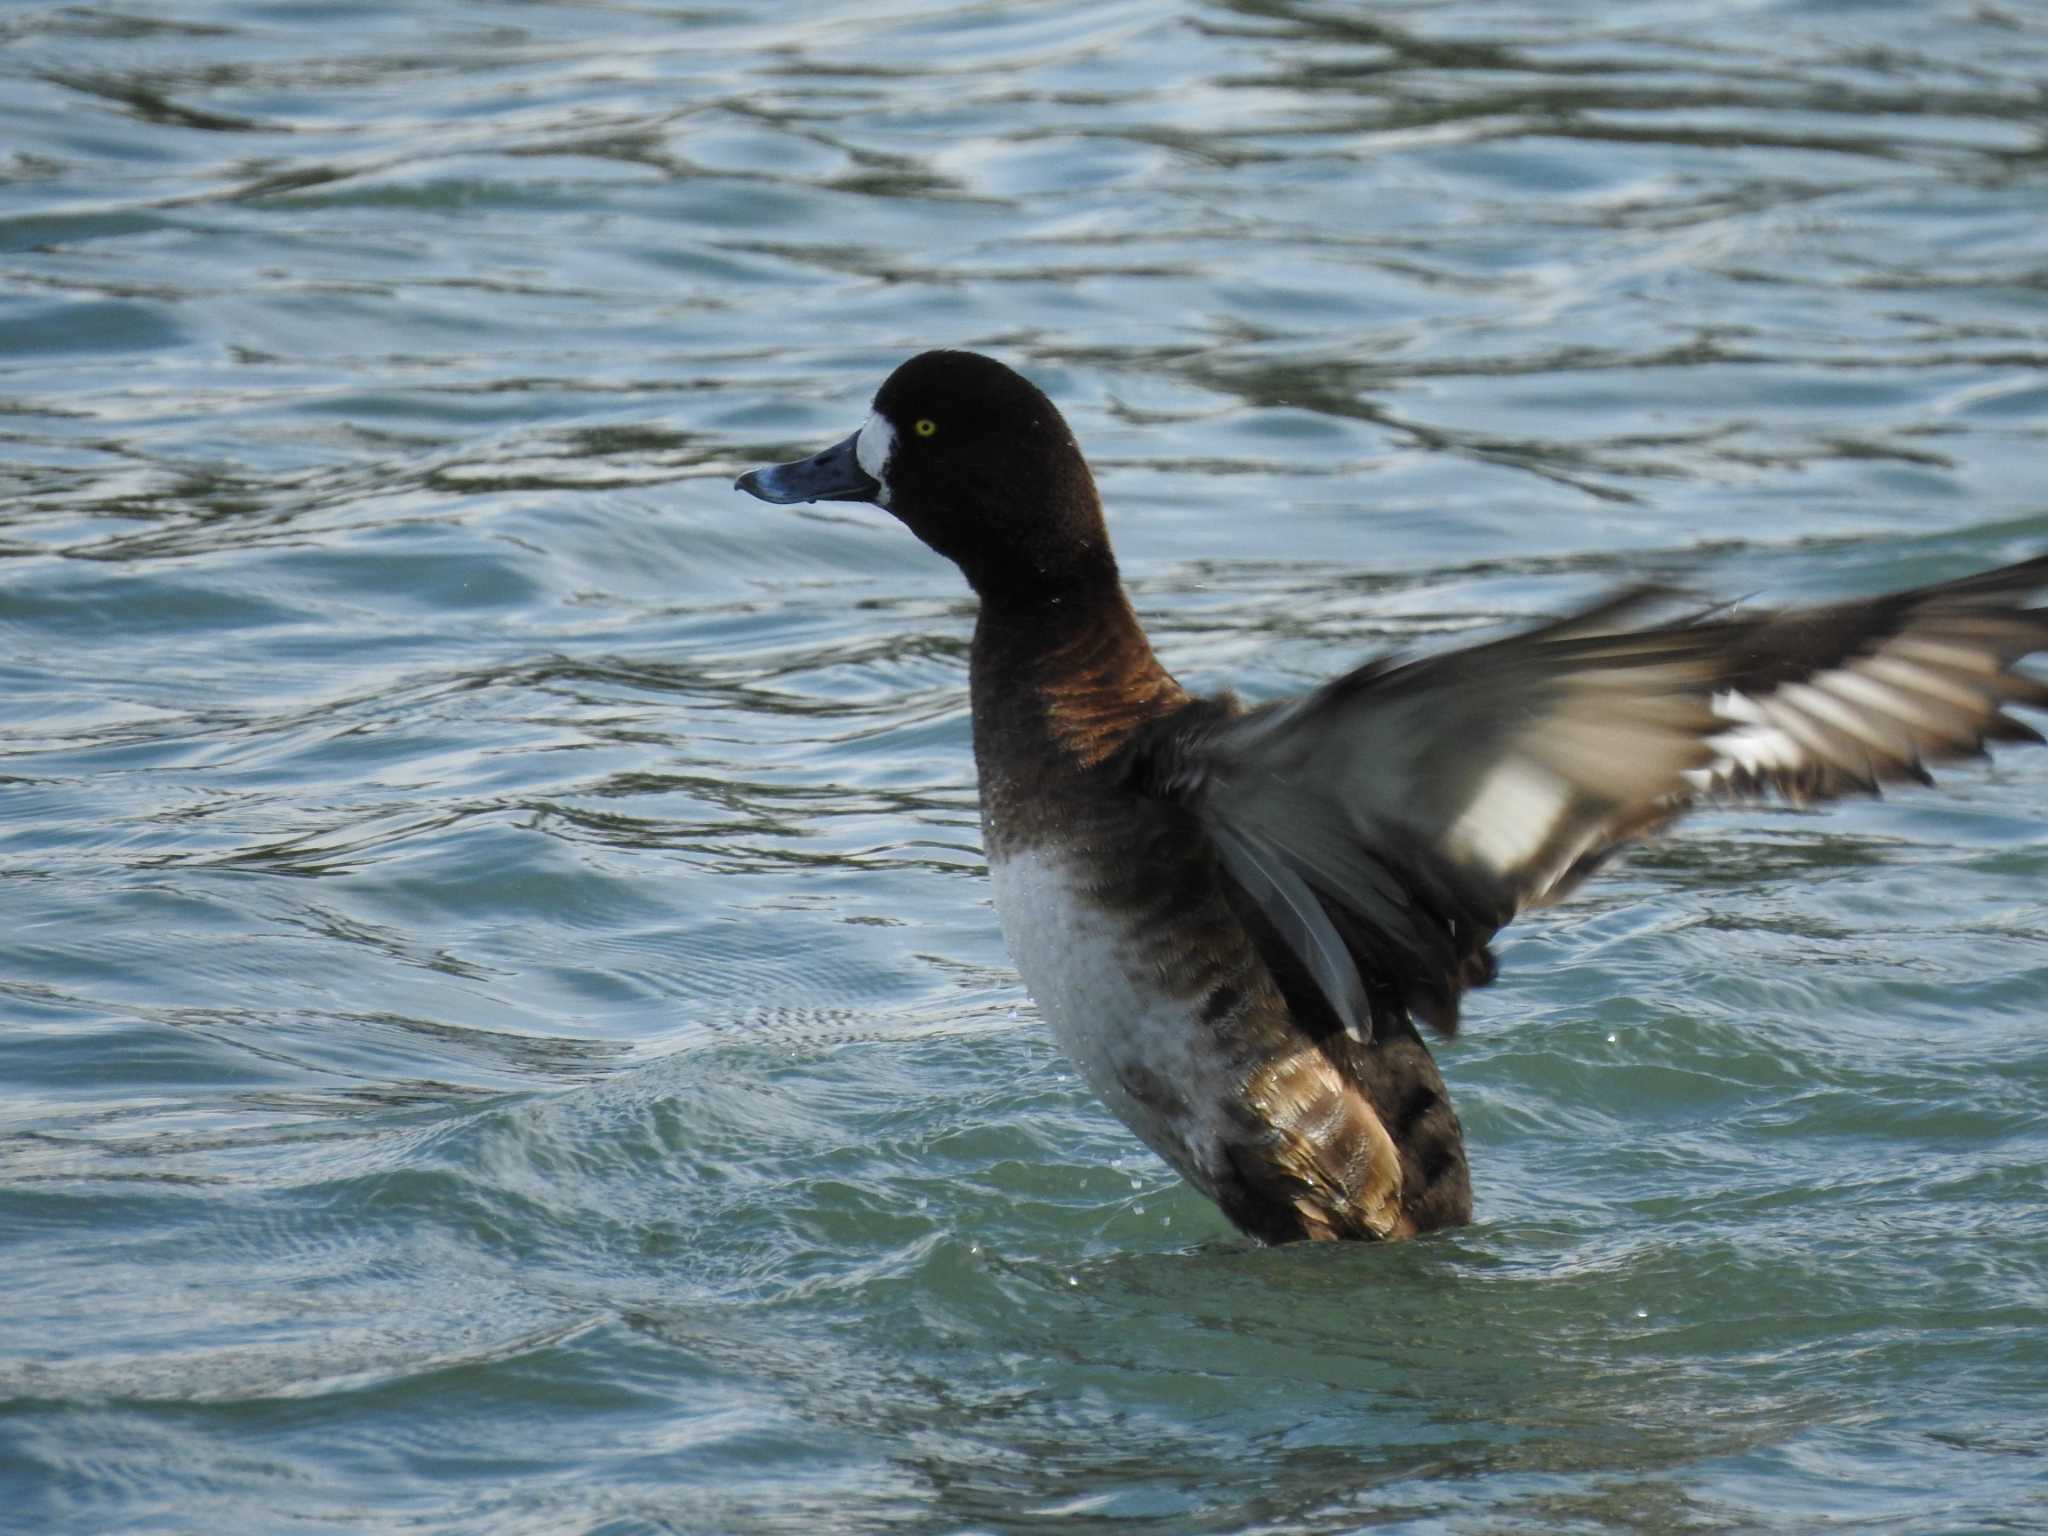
(834, 475)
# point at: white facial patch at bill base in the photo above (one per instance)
(873, 450)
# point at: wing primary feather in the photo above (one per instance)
(1303, 925)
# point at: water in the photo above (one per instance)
(503, 1030)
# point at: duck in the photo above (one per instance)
(1239, 921)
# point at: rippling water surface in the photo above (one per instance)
(501, 1021)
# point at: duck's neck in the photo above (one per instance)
(1058, 686)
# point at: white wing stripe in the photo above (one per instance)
(1804, 731)
(1957, 658)
(1511, 817)
(1921, 680)
(1836, 712)
(1882, 702)
(1756, 749)
(1738, 706)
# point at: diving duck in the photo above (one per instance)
(1235, 919)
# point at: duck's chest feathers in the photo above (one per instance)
(1141, 1015)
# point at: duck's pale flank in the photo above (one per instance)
(1234, 919)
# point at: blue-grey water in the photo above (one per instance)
(501, 1025)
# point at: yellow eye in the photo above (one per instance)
(925, 426)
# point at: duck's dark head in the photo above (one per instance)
(977, 462)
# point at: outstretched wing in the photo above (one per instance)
(1388, 824)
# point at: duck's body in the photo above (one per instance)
(1142, 957)
(1233, 920)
